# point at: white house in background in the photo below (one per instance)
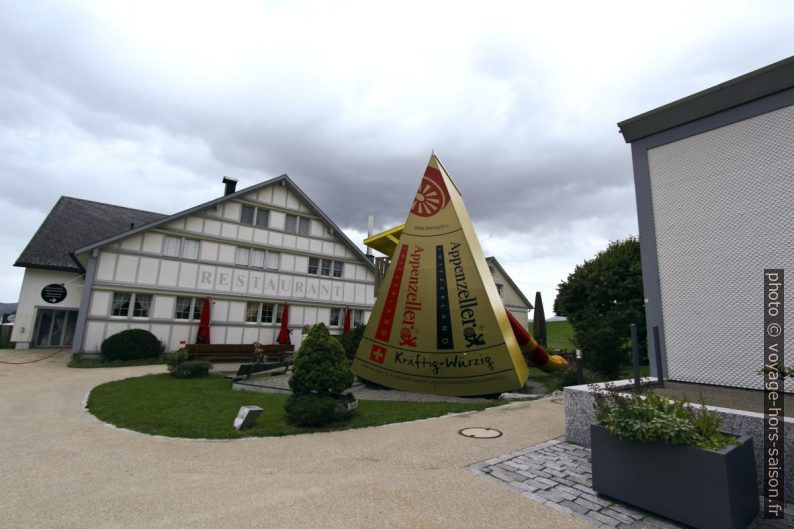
(250, 251)
(513, 299)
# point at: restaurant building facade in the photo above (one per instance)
(93, 270)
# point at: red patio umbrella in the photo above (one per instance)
(283, 334)
(203, 334)
(347, 321)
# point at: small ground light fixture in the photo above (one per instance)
(246, 417)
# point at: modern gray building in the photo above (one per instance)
(714, 178)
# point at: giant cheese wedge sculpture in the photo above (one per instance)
(438, 325)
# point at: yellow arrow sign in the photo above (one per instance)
(439, 325)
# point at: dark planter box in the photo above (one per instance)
(701, 488)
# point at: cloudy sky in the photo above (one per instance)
(148, 104)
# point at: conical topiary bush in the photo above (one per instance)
(320, 374)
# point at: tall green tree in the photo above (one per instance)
(601, 298)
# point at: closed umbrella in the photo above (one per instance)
(203, 334)
(347, 321)
(283, 334)
(539, 322)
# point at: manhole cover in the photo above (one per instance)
(480, 433)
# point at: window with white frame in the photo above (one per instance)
(298, 225)
(333, 321)
(141, 306)
(124, 301)
(252, 312)
(270, 312)
(188, 308)
(182, 309)
(121, 304)
(325, 267)
(267, 313)
(358, 317)
(198, 304)
(262, 218)
(247, 215)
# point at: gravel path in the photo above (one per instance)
(62, 468)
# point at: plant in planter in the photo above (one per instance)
(671, 459)
(320, 374)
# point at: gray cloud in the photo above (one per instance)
(150, 108)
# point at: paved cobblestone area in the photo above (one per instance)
(559, 475)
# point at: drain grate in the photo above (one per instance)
(480, 433)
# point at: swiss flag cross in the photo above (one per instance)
(377, 354)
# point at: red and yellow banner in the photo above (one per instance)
(438, 325)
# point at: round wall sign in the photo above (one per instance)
(53, 293)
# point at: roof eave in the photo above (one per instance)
(759, 83)
(57, 268)
(218, 200)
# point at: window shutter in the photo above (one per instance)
(190, 249)
(303, 226)
(171, 247)
(291, 224)
(242, 256)
(273, 259)
(258, 259)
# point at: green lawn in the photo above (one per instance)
(206, 407)
(560, 334)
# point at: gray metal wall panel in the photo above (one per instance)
(723, 207)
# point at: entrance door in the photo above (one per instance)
(55, 328)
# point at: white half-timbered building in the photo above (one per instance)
(250, 251)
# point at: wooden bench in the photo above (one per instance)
(252, 352)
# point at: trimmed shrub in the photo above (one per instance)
(175, 359)
(320, 374)
(321, 365)
(310, 409)
(132, 344)
(192, 369)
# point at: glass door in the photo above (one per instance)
(55, 328)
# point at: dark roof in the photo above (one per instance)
(754, 85)
(73, 223)
(492, 261)
(283, 180)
